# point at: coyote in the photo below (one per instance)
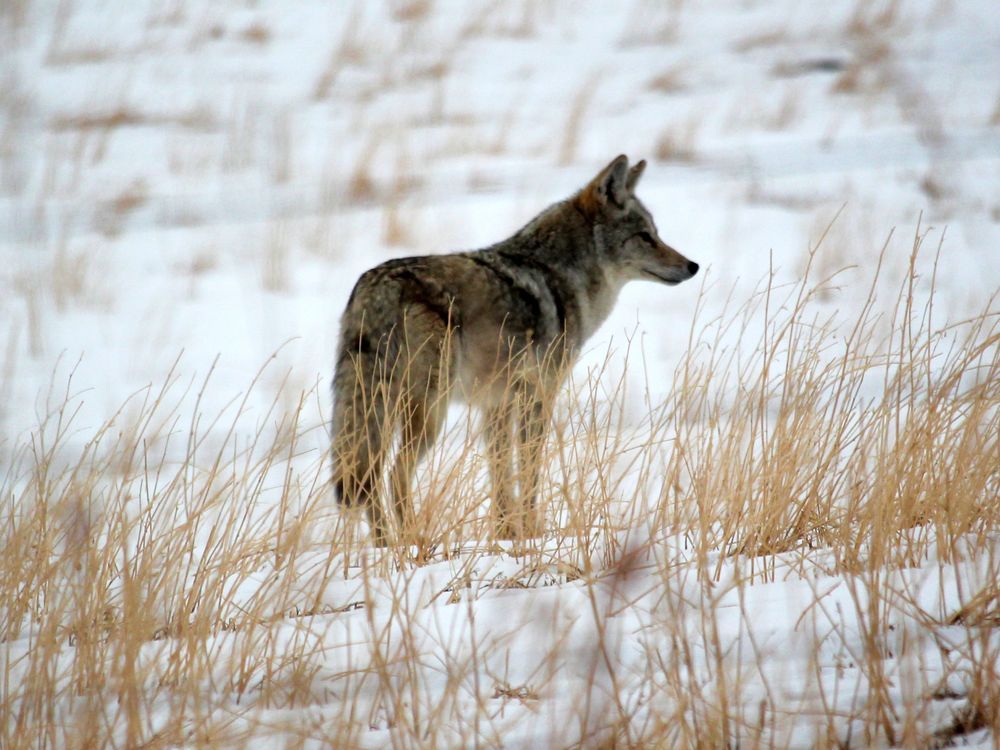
(496, 327)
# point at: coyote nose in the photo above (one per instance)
(692, 267)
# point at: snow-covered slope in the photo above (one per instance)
(188, 191)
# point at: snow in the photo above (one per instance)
(189, 190)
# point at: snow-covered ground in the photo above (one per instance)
(188, 191)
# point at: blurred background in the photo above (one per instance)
(197, 185)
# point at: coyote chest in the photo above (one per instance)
(496, 327)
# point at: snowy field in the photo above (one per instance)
(773, 492)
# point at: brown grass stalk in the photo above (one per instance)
(178, 576)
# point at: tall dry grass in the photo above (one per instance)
(180, 577)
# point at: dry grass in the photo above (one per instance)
(652, 23)
(510, 20)
(410, 11)
(398, 222)
(176, 577)
(787, 110)
(179, 576)
(256, 33)
(680, 142)
(242, 129)
(280, 154)
(866, 72)
(126, 116)
(670, 81)
(575, 120)
(347, 52)
(883, 17)
(761, 40)
(275, 258)
(112, 215)
(13, 15)
(361, 187)
(869, 31)
(776, 113)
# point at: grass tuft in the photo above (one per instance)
(178, 575)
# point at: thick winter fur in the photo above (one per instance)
(496, 327)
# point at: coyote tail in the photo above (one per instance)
(360, 413)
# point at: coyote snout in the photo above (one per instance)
(667, 265)
(496, 327)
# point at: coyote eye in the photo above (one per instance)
(646, 237)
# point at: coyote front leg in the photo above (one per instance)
(532, 420)
(499, 456)
(516, 516)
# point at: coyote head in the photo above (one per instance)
(624, 229)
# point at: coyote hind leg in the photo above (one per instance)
(423, 371)
(421, 419)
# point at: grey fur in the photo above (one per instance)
(496, 327)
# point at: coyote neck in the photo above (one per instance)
(566, 247)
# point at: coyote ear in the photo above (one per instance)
(612, 183)
(634, 174)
